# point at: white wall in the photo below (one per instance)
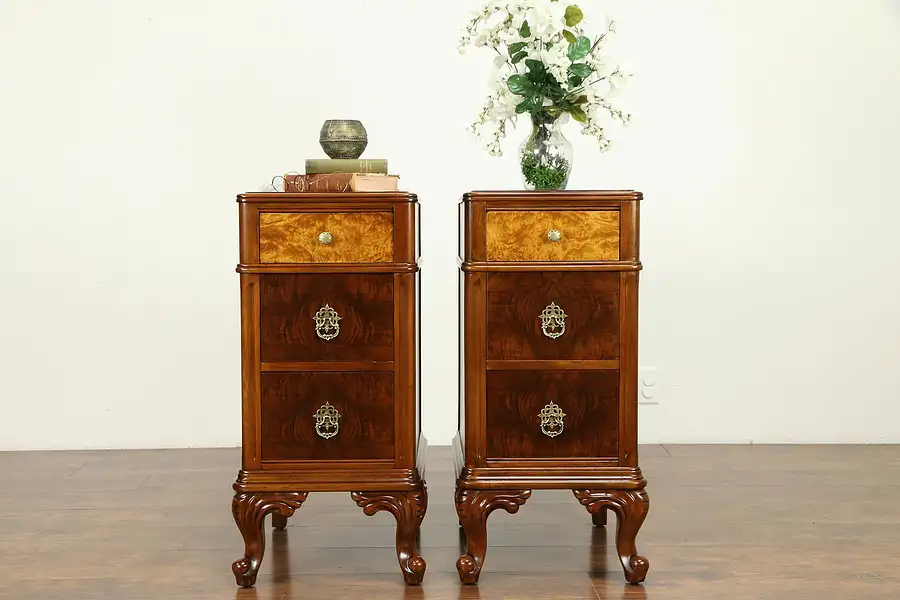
(765, 139)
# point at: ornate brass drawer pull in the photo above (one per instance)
(554, 235)
(327, 323)
(552, 420)
(327, 421)
(553, 321)
(325, 238)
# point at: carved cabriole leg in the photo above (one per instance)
(631, 508)
(473, 508)
(599, 517)
(279, 521)
(409, 510)
(250, 510)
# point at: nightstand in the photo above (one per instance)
(549, 372)
(329, 337)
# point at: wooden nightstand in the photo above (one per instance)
(548, 396)
(329, 334)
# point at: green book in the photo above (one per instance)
(318, 166)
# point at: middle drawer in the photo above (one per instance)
(553, 315)
(326, 317)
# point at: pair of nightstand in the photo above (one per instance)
(331, 393)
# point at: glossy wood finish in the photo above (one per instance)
(589, 400)
(515, 235)
(249, 511)
(408, 509)
(516, 300)
(142, 524)
(365, 402)
(367, 372)
(631, 508)
(364, 302)
(513, 369)
(357, 237)
(473, 508)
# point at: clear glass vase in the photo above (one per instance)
(545, 157)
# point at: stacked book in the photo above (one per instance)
(342, 175)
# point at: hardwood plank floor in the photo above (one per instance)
(726, 522)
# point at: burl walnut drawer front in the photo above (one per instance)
(551, 235)
(326, 317)
(327, 416)
(552, 414)
(553, 315)
(353, 237)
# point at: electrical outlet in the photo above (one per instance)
(649, 387)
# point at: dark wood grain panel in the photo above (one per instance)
(351, 365)
(557, 365)
(364, 400)
(365, 303)
(516, 300)
(588, 398)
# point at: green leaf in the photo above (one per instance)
(578, 114)
(579, 48)
(524, 30)
(575, 81)
(570, 37)
(580, 100)
(519, 56)
(523, 106)
(573, 16)
(580, 69)
(519, 85)
(536, 78)
(535, 65)
(554, 111)
(513, 48)
(555, 91)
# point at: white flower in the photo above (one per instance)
(556, 59)
(547, 19)
(498, 25)
(617, 79)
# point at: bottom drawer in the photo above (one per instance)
(327, 416)
(552, 414)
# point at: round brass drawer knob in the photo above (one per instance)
(325, 237)
(554, 235)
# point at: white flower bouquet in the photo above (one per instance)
(548, 67)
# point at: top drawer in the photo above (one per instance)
(552, 235)
(350, 237)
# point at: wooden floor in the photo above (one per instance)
(725, 523)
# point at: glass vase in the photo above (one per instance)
(545, 157)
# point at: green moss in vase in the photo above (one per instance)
(549, 176)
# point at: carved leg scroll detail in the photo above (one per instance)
(631, 508)
(473, 508)
(409, 510)
(250, 510)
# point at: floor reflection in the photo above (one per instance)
(600, 551)
(606, 570)
(280, 555)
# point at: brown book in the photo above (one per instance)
(341, 182)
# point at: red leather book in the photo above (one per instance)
(340, 182)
